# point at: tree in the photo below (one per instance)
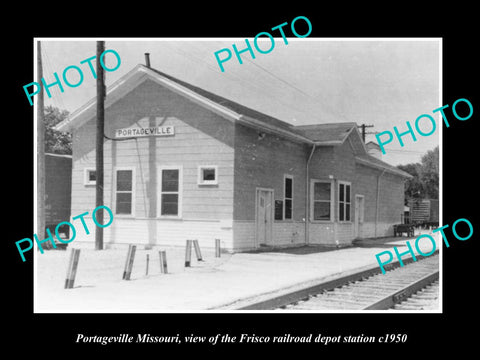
(429, 174)
(55, 141)
(425, 181)
(414, 188)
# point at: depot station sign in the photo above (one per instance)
(150, 131)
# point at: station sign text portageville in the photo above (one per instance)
(150, 131)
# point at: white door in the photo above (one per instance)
(359, 212)
(264, 217)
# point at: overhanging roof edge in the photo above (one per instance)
(386, 168)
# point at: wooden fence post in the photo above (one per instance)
(197, 250)
(129, 263)
(163, 261)
(188, 253)
(72, 268)
(217, 248)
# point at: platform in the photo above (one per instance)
(215, 284)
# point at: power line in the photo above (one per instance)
(280, 79)
(234, 77)
(323, 104)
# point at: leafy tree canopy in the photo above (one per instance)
(425, 181)
(55, 141)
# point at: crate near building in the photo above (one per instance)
(423, 212)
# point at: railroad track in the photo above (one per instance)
(425, 299)
(377, 292)
(367, 290)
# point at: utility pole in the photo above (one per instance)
(40, 150)
(99, 145)
(363, 126)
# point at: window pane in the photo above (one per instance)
(288, 188)
(278, 209)
(124, 180)
(124, 203)
(342, 192)
(169, 180)
(321, 191)
(342, 211)
(92, 175)
(347, 191)
(288, 209)
(208, 174)
(321, 210)
(169, 204)
(347, 212)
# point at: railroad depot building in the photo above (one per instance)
(183, 163)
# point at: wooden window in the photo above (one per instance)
(278, 209)
(124, 191)
(207, 175)
(344, 202)
(288, 197)
(170, 192)
(90, 176)
(321, 197)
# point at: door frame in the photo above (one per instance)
(271, 191)
(357, 224)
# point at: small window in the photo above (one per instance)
(90, 177)
(207, 175)
(344, 203)
(124, 192)
(288, 197)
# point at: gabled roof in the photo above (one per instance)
(226, 108)
(318, 134)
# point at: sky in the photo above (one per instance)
(380, 82)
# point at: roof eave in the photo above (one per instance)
(112, 94)
(192, 95)
(257, 124)
(388, 169)
(329, 143)
(140, 73)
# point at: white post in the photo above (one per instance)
(129, 263)
(188, 253)
(72, 268)
(163, 262)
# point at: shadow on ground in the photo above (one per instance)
(297, 250)
(384, 242)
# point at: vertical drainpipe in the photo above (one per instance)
(307, 198)
(377, 200)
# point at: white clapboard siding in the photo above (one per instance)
(345, 233)
(201, 138)
(288, 233)
(322, 233)
(156, 232)
(244, 235)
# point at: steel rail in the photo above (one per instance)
(283, 300)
